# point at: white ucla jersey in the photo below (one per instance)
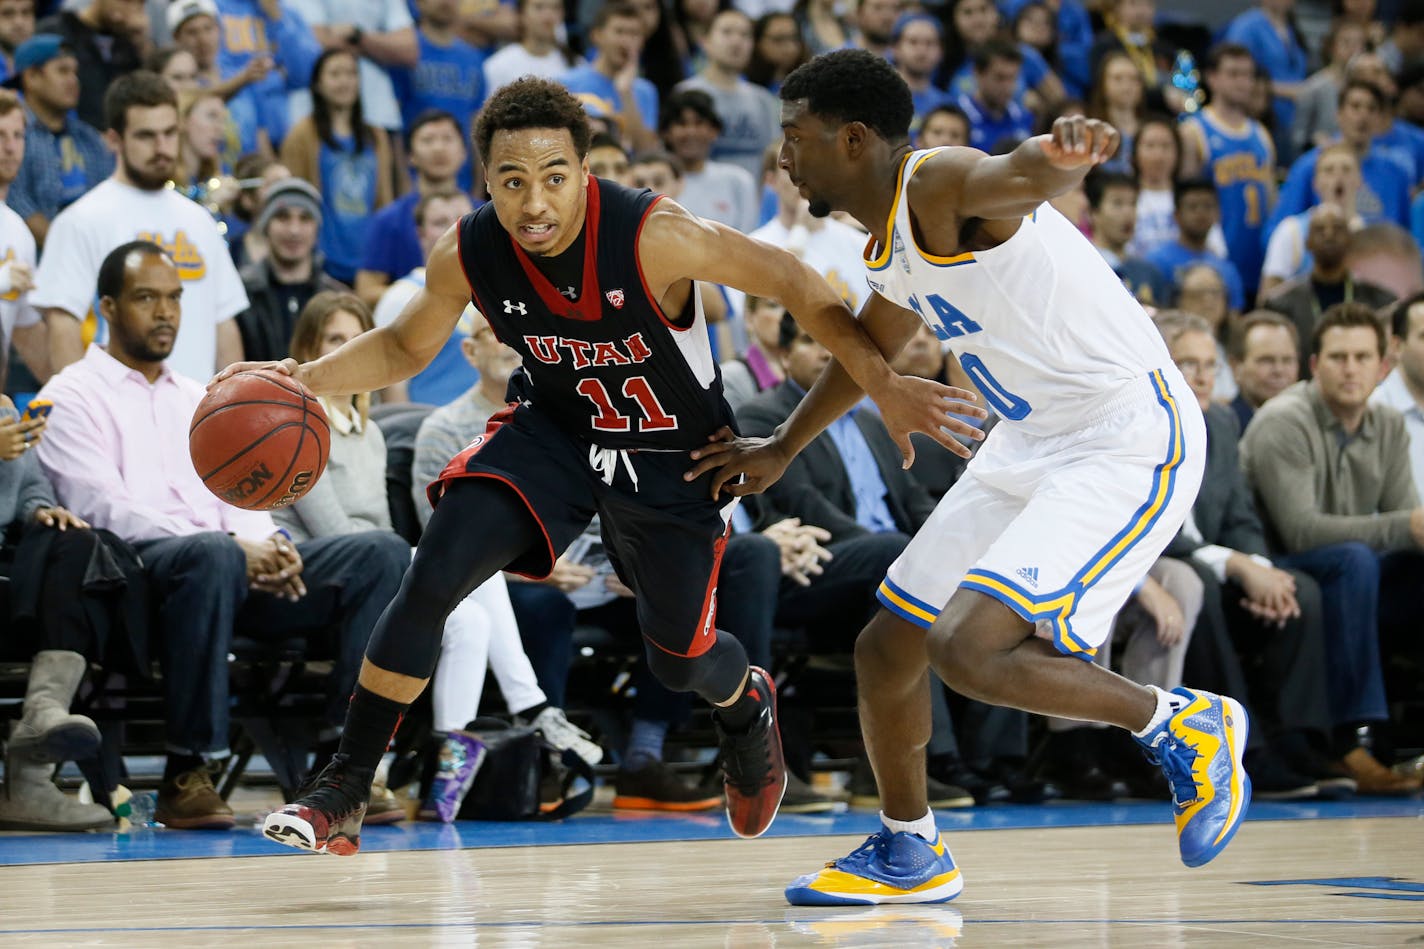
(1041, 323)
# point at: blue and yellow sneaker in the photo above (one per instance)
(888, 868)
(1200, 749)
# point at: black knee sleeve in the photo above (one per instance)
(715, 675)
(478, 528)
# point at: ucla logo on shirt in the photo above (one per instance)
(185, 253)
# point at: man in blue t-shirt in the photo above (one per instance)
(436, 144)
(1198, 211)
(257, 29)
(994, 115)
(611, 82)
(449, 76)
(1384, 193)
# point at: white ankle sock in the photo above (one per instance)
(1168, 704)
(924, 828)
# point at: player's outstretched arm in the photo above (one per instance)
(1007, 187)
(389, 354)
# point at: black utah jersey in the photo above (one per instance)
(610, 367)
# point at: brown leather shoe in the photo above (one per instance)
(1371, 777)
(190, 802)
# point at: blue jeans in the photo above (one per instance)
(200, 584)
(1349, 579)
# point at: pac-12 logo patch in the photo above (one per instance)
(616, 298)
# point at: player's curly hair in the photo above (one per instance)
(854, 85)
(532, 103)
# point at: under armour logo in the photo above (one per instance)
(511, 307)
(1029, 574)
(570, 292)
(615, 297)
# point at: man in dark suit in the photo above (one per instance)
(1250, 606)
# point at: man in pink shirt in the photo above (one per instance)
(117, 453)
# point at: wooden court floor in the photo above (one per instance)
(1350, 882)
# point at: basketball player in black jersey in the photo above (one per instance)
(592, 284)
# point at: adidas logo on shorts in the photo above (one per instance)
(1029, 574)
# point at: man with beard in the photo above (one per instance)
(135, 203)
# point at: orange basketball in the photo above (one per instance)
(259, 440)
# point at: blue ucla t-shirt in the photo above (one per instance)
(348, 188)
(450, 78)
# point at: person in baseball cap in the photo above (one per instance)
(181, 11)
(34, 53)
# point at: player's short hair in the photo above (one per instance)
(994, 49)
(532, 103)
(140, 89)
(1399, 316)
(1180, 189)
(854, 85)
(112, 270)
(431, 117)
(1375, 93)
(1241, 332)
(430, 197)
(1221, 51)
(1174, 324)
(1099, 180)
(1349, 316)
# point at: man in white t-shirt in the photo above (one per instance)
(539, 52)
(832, 248)
(135, 204)
(449, 374)
(19, 323)
(380, 32)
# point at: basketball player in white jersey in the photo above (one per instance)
(1067, 503)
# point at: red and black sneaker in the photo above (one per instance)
(326, 818)
(753, 769)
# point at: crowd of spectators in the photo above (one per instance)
(190, 183)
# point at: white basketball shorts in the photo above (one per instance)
(1062, 529)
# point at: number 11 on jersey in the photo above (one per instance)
(655, 417)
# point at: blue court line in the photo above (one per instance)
(829, 918)
(160, 844)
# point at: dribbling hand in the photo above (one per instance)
(1077, 141)
(286, 366)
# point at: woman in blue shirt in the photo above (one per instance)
(348, 161)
